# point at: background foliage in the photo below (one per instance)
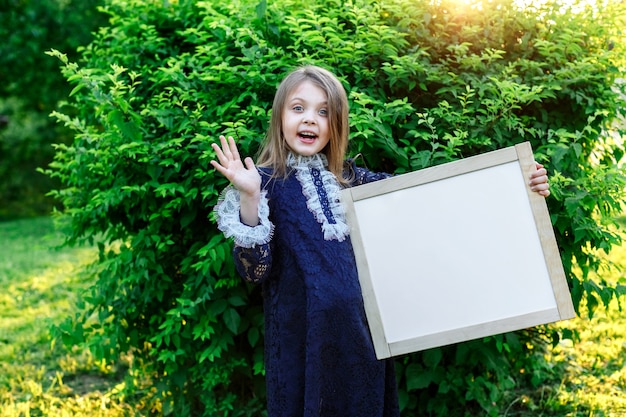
(429, 82)
(31, 88)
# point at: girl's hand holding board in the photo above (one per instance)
(539, 181)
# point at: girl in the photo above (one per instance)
(291, 236)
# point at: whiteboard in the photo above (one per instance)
(456, 252)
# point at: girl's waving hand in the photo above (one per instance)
(242, 175)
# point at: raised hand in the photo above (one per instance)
(242, 175)
(539, 181)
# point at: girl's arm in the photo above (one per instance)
(242, 212)
(243, 175)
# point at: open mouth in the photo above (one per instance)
(307, 137)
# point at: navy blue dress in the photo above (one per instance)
(319, 355)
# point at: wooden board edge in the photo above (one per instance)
(435, 173)
(372, 310)
(547, 238)
(474, 332)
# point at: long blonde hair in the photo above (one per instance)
(275, 150)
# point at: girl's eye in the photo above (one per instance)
(323, 112)
(298, 108)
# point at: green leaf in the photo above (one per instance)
(236, 301)
(417, 377)
(253, 336)
(232, 320)
(432, 357)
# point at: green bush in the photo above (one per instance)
(429, 82)
(31, 88)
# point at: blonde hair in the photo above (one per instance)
(275, 150)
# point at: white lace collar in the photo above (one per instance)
(318, 161)
(322, 192)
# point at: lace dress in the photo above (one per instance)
(319, 356)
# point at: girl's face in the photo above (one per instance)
(305, 119)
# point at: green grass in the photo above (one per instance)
(39, 286)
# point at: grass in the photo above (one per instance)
(596, 382)
(591, 373)
(39, 286)
(38, 378)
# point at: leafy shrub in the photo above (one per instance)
(429, 82)
(31, 88)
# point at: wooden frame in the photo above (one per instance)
(456, 252)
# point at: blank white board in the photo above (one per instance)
(456, 252)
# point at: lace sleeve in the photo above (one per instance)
(360, 176)
(229, 221)
(253, 264)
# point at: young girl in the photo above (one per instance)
(291, 236)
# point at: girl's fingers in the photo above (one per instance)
(218, 150)
(233, 148)
(249, 163)
(539, 181)
(540, 186)
(543, 179)
(227, 152)
(541, 172)
(539, 176)
(220, 155)
(218, 167)
(542, 192)
(226, 148)
(228, 158)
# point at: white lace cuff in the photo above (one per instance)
(229, 221)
